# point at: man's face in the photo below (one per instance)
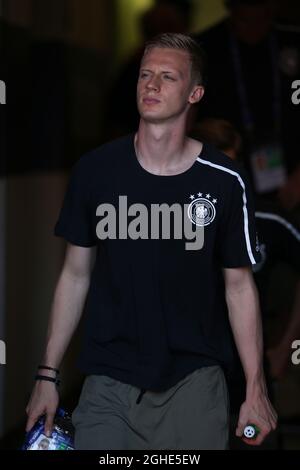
(164, 89)
(252, 23)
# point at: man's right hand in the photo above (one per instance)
(43, 401)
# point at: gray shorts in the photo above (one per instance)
(193, 414)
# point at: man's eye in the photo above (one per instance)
(168, 77)
(143, 75)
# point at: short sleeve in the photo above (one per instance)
(75, 221)
(290, 244)
(281, 236)
(239, 245)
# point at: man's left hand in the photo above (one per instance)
(259, 411)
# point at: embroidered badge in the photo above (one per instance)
(202, 211)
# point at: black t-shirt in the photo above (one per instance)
(279, 240)
(156, 310)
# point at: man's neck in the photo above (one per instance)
(164, 149)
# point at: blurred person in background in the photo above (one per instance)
(251, 67)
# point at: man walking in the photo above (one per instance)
(159, 308)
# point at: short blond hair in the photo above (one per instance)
(182, 42)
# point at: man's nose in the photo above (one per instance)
(153, 83)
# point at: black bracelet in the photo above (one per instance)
(48, 379)
(49, 368)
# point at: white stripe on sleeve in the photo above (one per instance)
(245, 211)
(280, 220)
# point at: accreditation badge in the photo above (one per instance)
(268, 169)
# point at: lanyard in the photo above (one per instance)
(247, 116)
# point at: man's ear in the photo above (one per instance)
(197, 94)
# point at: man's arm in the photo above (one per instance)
(66, 310)
(244, 316)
